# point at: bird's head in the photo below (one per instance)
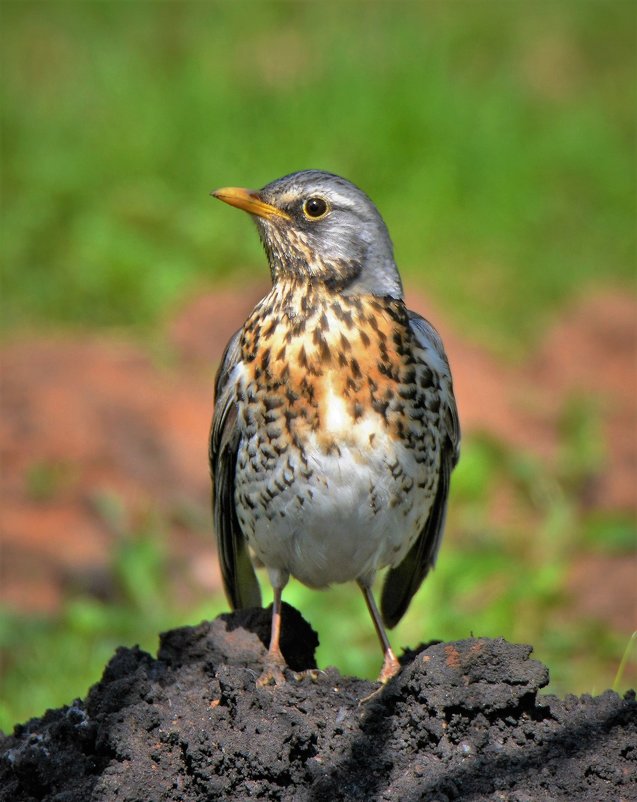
(318, 227)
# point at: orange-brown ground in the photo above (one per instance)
(84, 420)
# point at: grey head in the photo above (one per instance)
(319, 227)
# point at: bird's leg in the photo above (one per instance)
(391, 666)
(274, 652)
(275, 662)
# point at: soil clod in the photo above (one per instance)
(461, 721)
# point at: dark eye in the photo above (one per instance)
(315, 208)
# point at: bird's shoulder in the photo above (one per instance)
(223, 428)
(434, 355)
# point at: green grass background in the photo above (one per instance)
(498, 140)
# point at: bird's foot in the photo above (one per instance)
(274, 671)
(390, 668)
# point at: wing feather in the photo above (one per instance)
(402, 581)
(239, 580)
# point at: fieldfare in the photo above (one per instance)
(335, 428)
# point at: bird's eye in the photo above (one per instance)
(315, 208)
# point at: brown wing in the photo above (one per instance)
(404, 580)
(239, 580)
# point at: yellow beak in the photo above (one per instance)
(249, 201)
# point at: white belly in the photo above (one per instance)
(338, 516)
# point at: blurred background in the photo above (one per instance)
(498, 141)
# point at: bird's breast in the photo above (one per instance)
(341, 369)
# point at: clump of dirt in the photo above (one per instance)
(462, 721)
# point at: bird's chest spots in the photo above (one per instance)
(344, 370)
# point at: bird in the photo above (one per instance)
(335, 429)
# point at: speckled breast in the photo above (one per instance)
(339, 419)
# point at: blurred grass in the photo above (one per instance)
(497, 139)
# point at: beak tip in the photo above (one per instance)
(249, 201)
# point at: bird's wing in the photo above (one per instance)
(404, 580)
(239, 579)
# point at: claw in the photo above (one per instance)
(273, 674)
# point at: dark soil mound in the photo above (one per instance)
(463, 721)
